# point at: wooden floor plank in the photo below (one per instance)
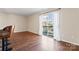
(27, 41)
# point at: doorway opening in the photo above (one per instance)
(49, 25)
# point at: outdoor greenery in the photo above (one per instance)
(48, 28)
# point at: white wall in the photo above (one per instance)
(69, 25)
(33, 23)
(20, 22)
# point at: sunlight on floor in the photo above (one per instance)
(47, 43)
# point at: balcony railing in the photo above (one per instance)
(48, 31)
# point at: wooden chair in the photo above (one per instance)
(9, 29)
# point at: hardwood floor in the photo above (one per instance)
(27, 41)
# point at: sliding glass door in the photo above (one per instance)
(49, 24)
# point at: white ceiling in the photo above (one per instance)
(22, 11)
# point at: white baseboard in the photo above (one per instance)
(19, 31)
(70, 42)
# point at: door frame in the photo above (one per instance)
(56, 26)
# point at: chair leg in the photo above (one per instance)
(6, 46)
(3, 46)
(7, 42)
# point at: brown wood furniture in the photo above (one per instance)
(6, 35)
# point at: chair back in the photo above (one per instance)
(12, 32)
(9, 29)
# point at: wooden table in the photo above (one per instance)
(4, 37)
